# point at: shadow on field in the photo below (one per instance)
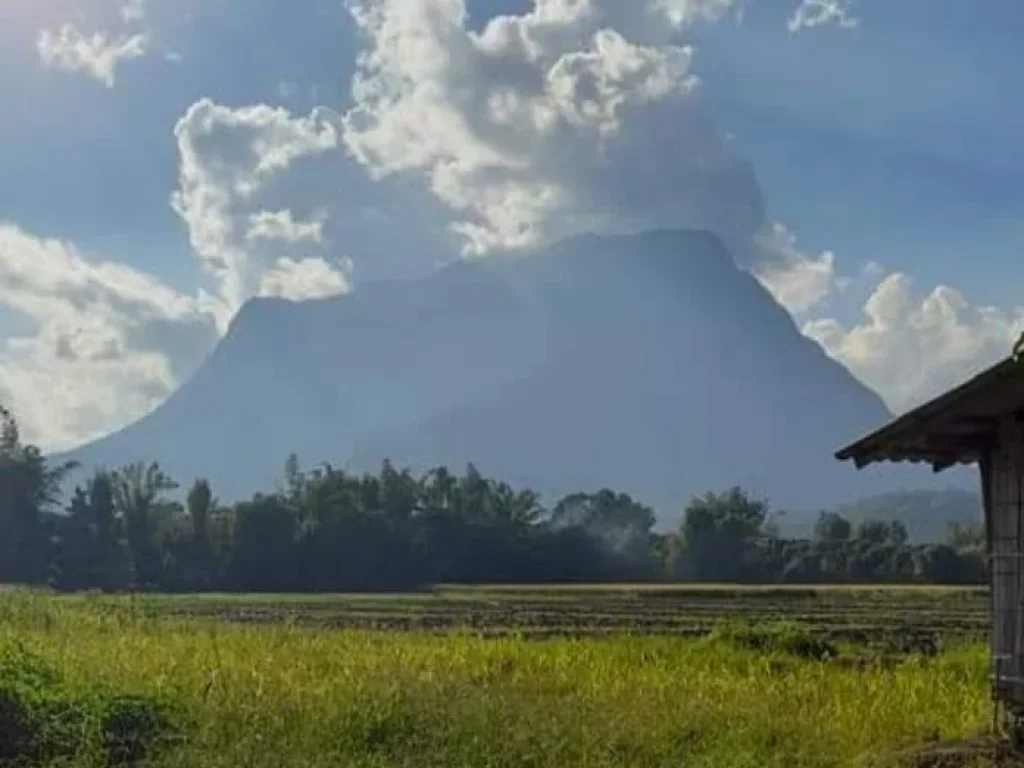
(44, 722)
(981, 753)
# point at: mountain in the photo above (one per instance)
(647, 363)
(927, 515)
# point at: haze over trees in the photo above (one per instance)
(327, 529)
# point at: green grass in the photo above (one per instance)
(280, 695)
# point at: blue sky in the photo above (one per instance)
(894, 143)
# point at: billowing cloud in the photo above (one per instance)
(98, 55)
(797, 280)
(910, 347)
(108, 343)
(575, 116)
(579, 115)
(230, 161)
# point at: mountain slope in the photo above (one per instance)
(649, 363)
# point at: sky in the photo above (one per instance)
(164, 161)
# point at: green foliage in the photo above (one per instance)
(881, 532)
(832, 527)
(29, 489)
(786, 639)
(719, 535)
(139, 498)
(619, 523)
(43, 721)
(330, 530)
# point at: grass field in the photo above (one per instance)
(533, 677)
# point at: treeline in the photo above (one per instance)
(328, 530)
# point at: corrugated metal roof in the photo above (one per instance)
(954, 428)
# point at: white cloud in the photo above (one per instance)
(109, 342)
(910, 348)
(98, 55)
(550, 123)
(230, 161)
(580, 115)
(279, 225)
(815, 13)
(304, 279)
(681, 13)
(798, 281)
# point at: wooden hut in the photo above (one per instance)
(980, 422)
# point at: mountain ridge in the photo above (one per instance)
(658, 336)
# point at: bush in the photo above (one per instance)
(791, 641)
(42, 722)
(133, 728)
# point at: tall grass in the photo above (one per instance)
(280, 696)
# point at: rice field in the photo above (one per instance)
(519, 676)
(894, 616)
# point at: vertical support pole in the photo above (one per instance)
(985, 465)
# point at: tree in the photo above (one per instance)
(399, 493)
(882, 532)
(74, 545)
(29, 490)
(439, 487)
(519, 509)
(618, 522)
(264, 536)
(719, 533)
(90, 552)
(110, 568)
(199, 505)
(967, 537)
(139, 497)
(831, 526)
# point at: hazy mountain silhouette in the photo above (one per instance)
(647, 363)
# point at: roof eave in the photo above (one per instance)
(879, 445)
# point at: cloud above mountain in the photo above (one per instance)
(911, 347)
(581, 116)
(104, 343)
(230, 163)
(576, 116)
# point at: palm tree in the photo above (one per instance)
(439, 488)
(139, 497)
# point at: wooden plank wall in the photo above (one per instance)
(1005, 475)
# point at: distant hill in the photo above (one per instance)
(647, 363)
(927, 514)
